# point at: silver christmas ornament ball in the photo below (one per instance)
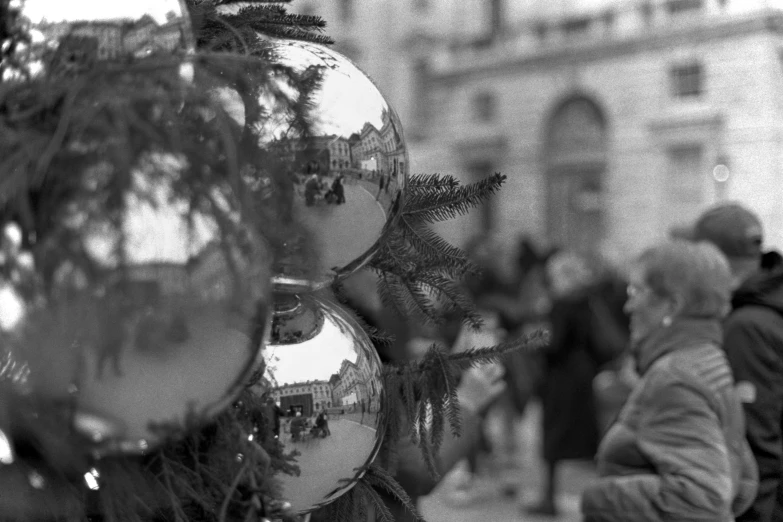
(143, 307)
(345, 159)
(323, 388)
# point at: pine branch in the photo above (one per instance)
(379, 478)
(424, 441)
(409, 399)
(395, 296)
(442, 204)
(452, 296)
(415, 298)
(436, 400)
(377, 336)
(434, 251)
(475, 357)
(448, 377)
(419, 182)
(367, 495)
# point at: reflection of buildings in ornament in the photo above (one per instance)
(145, 37)
(368, 149)
(330, 153)
(355, 384)
(382, 148)
(311, 396)
(107, 34)
(122, 37)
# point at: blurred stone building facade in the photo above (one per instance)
(615, 121)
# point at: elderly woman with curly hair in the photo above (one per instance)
(677, 451)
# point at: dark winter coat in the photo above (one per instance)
(754, 347)
(570, 419)
(677, 451)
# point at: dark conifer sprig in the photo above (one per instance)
(353, 505)
(422, 395)
(420, 271)
(427, 200)
(251, 18)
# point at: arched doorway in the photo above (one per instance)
(575, 161)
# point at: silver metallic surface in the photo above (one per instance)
(142, 309)
(345, 156)
(319, 360)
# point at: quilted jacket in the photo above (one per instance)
(677, 451)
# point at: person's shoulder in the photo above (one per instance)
(754, 318)
(691, 366)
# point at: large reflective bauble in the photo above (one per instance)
(141, 303)
(322, 381)
(343, 152)
(57, 37)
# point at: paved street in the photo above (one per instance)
(324, 461)
(344, 232)
(488, 502)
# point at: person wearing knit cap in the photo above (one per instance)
(753, 341)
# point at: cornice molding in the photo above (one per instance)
(490, 62)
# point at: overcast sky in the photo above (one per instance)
(348, 98)
(316, 359)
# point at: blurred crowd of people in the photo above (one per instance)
(665, 372)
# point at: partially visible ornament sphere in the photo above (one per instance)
(70, 37)
(322, 380)
(145, 302)
(345, 158)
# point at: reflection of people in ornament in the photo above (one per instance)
(381, 185)
(274, 413)
(322, 424)
(298, 425)
(338, 190)
(312, 189)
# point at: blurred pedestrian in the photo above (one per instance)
(570, 421)
(678, 450)
(754, 343)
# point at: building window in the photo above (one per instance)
(484, 107)
(687, 80)
(496, 16)
(686, 194)
(675, 7)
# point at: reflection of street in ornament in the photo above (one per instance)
(323, 391)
